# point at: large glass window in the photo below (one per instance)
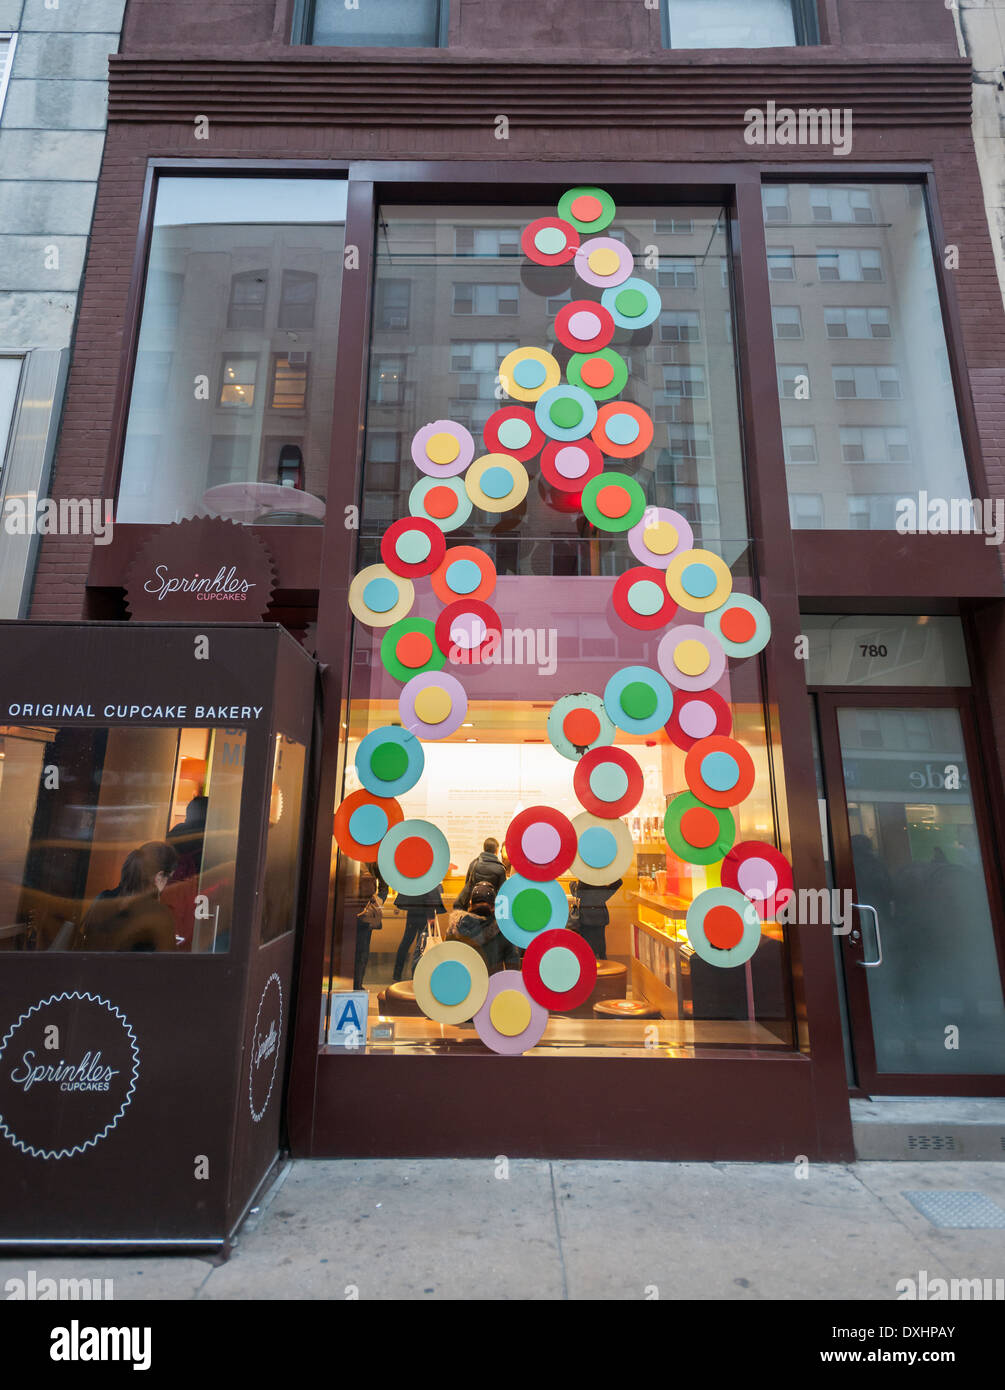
(377, 23)
(556, 575)
(118, 839)
(236, 354)
(860, 281)
(738, 23)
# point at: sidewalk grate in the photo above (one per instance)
(962, 1211)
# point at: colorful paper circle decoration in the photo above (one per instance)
(641, 600)
(570, 466)
(604, 849)
(639, 700)
(389, 761)
(633, 304)
(613, 501)
(604, 261)
(761, 873)
(577, 723)
(602, 375)
(515, 432)
(623, 430)
(412, 547)
(414, 856)
(550, 241)
(584, 326)
(378, 597)
(742, 625)
(659, 536)
(699, 581)
(690, 657)
(560, 969)
(541, 843)
(526, 907)
(510, 1021)
(697, 833)
(361, 822)
(723, 927)
(468, 631)
(450, 981)
(719, 771)
(409, 648)
(443, 448)
(446, 504)
(608, 782)
(698, 715)
(497, 482)
(589, 210)
(527, 372)
(566, 412)
(464, 572)
(433, 705)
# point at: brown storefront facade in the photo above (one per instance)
(825, 317)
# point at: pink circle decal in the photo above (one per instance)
(584, 325)
(572, 462)
(757, 878)
(541, 842)
(698, 720)
(468, 630)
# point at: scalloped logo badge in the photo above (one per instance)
(265, 1044)
(201, 569)
(68, 1069)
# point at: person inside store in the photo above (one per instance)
(420, 910)
(486, 867)
(592, 918)
(188, 839)
(369, 919)
(131, 916)
(478, 928)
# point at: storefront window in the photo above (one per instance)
(118, 839)
(231, 405)
(868, 410)
(282, 844)
(554, 596)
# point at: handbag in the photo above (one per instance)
(371, 916)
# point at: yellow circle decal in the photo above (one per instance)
(443, 449)
(691, 657)
(510, 1012)
(604, 261)
(433, 704)
(661, 538)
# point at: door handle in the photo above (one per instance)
(867, 907)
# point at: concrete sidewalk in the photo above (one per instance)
(459, 1229)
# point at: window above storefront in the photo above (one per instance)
(372, 23)
(739, 23)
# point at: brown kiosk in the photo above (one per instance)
(153, 783)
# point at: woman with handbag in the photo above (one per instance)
(369, 920)
(420, 913)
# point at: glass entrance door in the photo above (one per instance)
(922, 964)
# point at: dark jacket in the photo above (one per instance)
(483, 933)
(484, 868)
(419, 907)
(593, 902)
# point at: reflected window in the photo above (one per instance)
(133, 849)
(738, 23)
(250, 271)
(876, 349)
(283, 839)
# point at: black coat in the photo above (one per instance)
(484, 868)
(419, 907)
(593, 902)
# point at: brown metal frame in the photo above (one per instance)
(354, 1104)
(829, 700)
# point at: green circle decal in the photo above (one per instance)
(397, 635)
(682, 806)
(594, 515)
(599, 393)
(607, 206)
